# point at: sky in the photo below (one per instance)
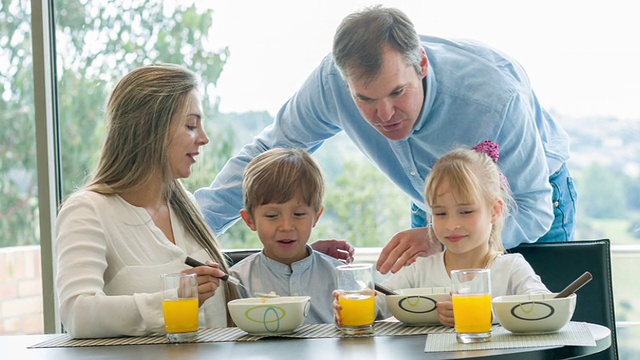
(582, 56)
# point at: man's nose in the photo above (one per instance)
(385, 110)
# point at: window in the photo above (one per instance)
(580, 56)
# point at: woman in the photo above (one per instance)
(134, 220)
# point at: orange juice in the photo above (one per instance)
(472, 313)
(357, 309)
(181, 315)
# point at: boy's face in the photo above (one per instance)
(283, 229)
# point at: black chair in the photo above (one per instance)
(558, 264)
(234, 256)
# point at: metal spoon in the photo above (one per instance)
(575, 285)
(228, 278)
(265, 295)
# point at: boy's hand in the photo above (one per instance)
(337, 308)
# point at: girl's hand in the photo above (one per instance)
(445, 313)
(208, 280)
(337, 308)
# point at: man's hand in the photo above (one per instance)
(339, 249)
(405, 247)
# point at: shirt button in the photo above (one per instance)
(413, 173)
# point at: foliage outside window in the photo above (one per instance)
(97, 42)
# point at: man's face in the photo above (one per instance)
(393, 100)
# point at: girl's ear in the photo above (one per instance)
(497, 210)
(248, 219)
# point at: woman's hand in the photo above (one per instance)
(208, 280)
(445, 313)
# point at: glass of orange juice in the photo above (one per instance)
(471, 295)
(357, 298)
(180, 306)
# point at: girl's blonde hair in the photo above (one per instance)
(278, 175)
(138, 115)
(474, 177)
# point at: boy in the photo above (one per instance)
(283, 193)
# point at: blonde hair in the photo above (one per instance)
(474, 177)
(278, 175)
(138, 115)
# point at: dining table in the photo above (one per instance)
(388, 345)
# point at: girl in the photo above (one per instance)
(469, 200)
(134, 220)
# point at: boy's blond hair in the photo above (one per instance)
(280, 174)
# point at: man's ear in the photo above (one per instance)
(318, 215)
(424, 64)
(248, 219)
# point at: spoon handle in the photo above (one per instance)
(226, 277)
(385, 290)
(575, 285)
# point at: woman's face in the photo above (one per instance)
(186, 136)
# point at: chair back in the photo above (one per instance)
(559, 263)
(234, 256)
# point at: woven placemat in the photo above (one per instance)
(306, 331)
(573, 334)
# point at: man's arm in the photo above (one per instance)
(304, 121)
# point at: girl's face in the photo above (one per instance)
(463, 228)
(187, 135)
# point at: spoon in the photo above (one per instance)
(384, 290)
(228, 278)
(575, 285)
(265, 295)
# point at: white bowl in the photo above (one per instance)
(417, 306)
(267, 316)
(528, 314)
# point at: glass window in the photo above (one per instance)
(20, 278)
(252, 57)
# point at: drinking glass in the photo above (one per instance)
(357, 298)
(471, 295)
(180, 306)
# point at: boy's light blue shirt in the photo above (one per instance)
(473, 93)
(315, 276)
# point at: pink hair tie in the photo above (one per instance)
(492, 149)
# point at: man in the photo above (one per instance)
(405, 100)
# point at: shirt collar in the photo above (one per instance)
(299, 265)
(429, 85)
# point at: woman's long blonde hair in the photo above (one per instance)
(138, 116)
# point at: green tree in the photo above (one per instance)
(602, 193)
(96, 43)
(18, 182)
(363, 207)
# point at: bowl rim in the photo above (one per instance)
(506, 299)
(276, 300)
(423, 291)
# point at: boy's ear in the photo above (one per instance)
(247, 219)
(318, 215)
